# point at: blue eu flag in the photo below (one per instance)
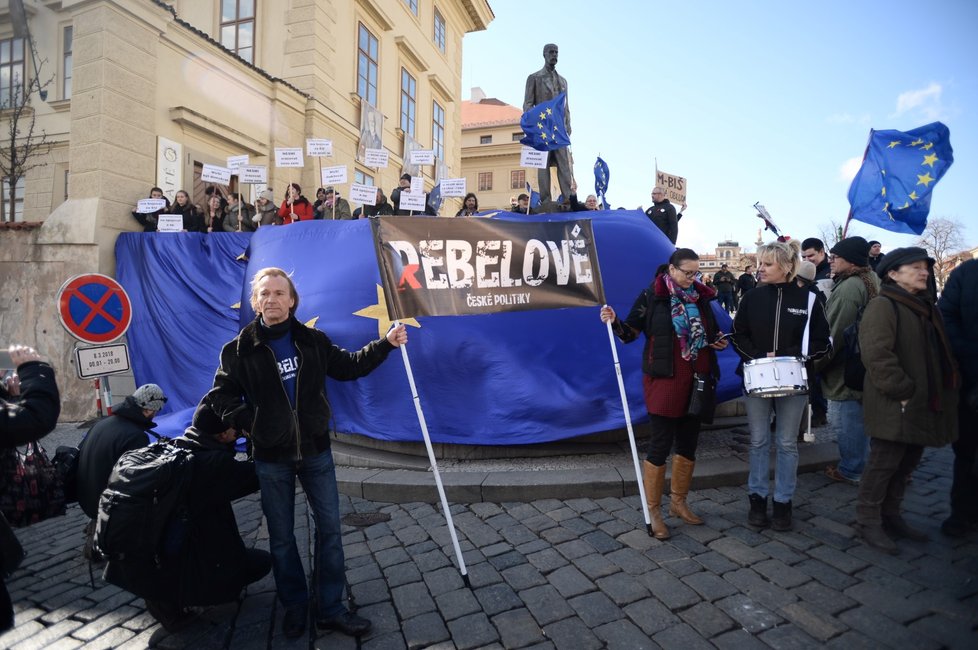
(892, 189)
(543, 125)
(534, 196)
(601, 176)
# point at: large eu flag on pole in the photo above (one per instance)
(892, 189)
(543, 125)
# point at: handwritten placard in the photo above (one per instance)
(675, 186)
(365, 194)
(235, 163)
(530, 157)
(334, 175)
(417, 185)
(289, 157)
(412, 201)
(452, 187)
(215, 174)
(254, 174)
(422, 157)
(319, 147)
(146, 206)
(375, 157)
(169, 223)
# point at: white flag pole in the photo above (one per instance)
(631, 433)
(434, 463)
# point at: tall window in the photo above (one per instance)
(517, 179)
(66, 47)
(238, 27)
(485, 181)
(438, 130)
(362, 179)
(409, 89)
(439, 35)
(18, 207)
(412, 5)
(367, 66)
(11, 70)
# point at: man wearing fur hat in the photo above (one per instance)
(854, 285)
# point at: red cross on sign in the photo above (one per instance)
(94, 308)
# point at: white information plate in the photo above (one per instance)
(101, 360)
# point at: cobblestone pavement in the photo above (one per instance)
(576, 574)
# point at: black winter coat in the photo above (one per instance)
(772, 318)
(193, 219)
(248, 392)
(103, 445)
(663, 215)
(34, 413)
(959, 307)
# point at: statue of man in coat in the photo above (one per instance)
(541, 86)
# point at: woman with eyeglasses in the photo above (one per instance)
(771, 322)
(681, 340)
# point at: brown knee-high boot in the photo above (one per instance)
(654, 480)
(682, 476)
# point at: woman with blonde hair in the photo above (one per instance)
(778, 319)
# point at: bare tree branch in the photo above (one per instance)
(942, 239)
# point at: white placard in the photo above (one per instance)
(530, 157)
(169, 223)
(319, 147)
(235, 163)
(102, 360)
(375, 158)
(365, 194)
(146, 206)
(289, 157)
(253, 174)
(422, 157)
(452, 187)
(417, 185)
(412, 201)
(215, 174)
(334, 175)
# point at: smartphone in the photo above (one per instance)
(721, 337)
(5, 360)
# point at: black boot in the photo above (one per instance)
(781, 519)
(898, 527)
(757, 517)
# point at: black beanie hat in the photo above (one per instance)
(854, 250)
(901, 256)
(207, 422)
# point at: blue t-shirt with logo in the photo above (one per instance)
(287, 360)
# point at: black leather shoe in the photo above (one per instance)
(294, 622)
(348, 623)
(757, 517)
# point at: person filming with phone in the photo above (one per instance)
(680, 375)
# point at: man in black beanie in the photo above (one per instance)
(854, 285)
(875, 254)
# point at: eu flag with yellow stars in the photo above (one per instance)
(892, 189)
(543, 125)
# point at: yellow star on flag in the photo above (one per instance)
(925, 180)
(893, 144)
(905, 205)
(913, 196)
(930, 159)
(549, 111)
(884, 190)
(539, 125)
(916, 142)
(928, 146)
(379, 311)
(543, 116)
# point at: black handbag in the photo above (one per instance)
(703, 397)
(31, 489)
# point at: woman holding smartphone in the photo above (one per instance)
(681, 340)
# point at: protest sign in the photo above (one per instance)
(452, 187)
(675, 186)
(146, 206)
(235, 163)
(365, 194)
(215, 174)
(334, 175)
(169, 223)
(318, 147)
(530, 157)
(422, 157)
(412, 201)
(253, 174)
(375, 158)
(288, 157)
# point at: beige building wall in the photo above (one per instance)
(500, 158)
(144, 70)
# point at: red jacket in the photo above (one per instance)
(302, 209)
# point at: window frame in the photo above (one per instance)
(409, 103)
(12, 64)
(67, 62)
(370, 56)
(485, 181)
(412, 6)
(440, 37)
(18, 215)
(438, 129)
(485, 139)
(236, 25)
(521, 183)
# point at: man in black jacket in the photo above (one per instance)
(813, 250)
(271, 383)
(210, 563)
(746, 281)
(663, 214)
(724, 282)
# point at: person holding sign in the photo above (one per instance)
(239, 215)
(266, 214)
(193, 220)
(333, 206)
(214, 214)
(295, 207)
(148, 220)
(470, 205)
(663, 214)
(403, 185)
(681, 341)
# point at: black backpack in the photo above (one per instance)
(854, 374)
(146, 493)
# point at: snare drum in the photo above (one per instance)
(775, 377)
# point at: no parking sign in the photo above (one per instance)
(94, 308)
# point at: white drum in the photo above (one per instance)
(775, 377)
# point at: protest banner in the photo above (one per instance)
(235, 163)
(215, 174)
(289, 157)
(675, 186)
(169, 223)
(412, 201)
(422, 157)
(146, 206)
(376, 158)
(452, 187)
(319, 147)
(365, 194)
(253, 174)
(530, 157)
(333, 175)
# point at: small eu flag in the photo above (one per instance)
(892, 189)
(534, 196)
(601, 176)
(543, 125)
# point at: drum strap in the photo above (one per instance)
(808, 325)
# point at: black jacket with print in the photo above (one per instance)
(772, 318)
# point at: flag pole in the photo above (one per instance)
(631, 433)
(434, 463)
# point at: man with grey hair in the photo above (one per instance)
(542, 86)
(663, 214)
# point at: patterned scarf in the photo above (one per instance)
(686, 319)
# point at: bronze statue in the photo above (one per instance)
(541, 86)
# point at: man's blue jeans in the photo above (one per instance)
(788, 410)
(853, 443)
(317, 475)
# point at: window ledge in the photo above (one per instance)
(60, 105)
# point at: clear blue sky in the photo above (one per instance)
(766, 101)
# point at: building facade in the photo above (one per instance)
(143, 93)
(491, 148)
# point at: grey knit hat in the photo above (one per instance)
(149, 396)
